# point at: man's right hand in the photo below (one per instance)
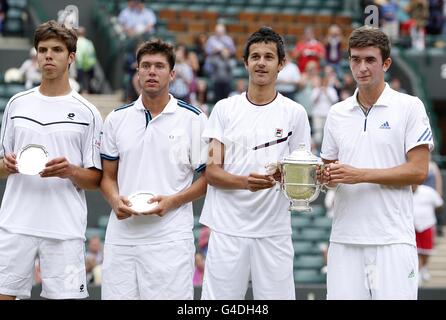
(10, 163)
(122, 208)
(256, 182)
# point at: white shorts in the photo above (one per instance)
(162, 271)
(365, 272)
(62, 266)
(232, 261)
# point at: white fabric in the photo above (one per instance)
(425, 201)
(322, 99)
(288, 78)
(62, 266)
(158, 156)
(149, 272)
(232, 261)
(241, 126)
(357, 272)
(368, 213)
(67, 126)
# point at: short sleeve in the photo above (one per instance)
(109, 150)
(329, 149)
(418, 129)
(199, 144)
(215, 125)
(302, 131)
(92, 143)
(7, 133)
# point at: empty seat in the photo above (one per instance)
(309, 262)
(103, 221)
(305, 248)
(298, 221)
(322, 222)
(308, 276)
(312, 234)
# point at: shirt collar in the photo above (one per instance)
(384, 99)
(170, 107)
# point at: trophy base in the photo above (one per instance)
(300, 205)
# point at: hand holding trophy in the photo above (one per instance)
(299, 178)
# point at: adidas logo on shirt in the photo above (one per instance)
(385, 125)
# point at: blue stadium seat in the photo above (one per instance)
(309, 262)
(103, 221)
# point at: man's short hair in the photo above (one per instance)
(367, 36)
(154, 47)
(54, 30)
(265, 34)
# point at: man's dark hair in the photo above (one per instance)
(154, 47)
(54, 30)
(367, 36)
(265, 34)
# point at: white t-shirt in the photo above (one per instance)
(246, 130)
(368, 213)
(156, 155)
(67, 126)
(425, 201)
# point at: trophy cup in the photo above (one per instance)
(31, 159)
(299, 178)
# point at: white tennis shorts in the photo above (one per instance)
(369, 272)
(162, 271)
(62, 266)
(232, 261)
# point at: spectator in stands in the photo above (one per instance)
(436, 17)
(199, 99)
(418, 11)
(249, 220)
(323, 96)
(395, 84)
(158, 263)
(199, 269)
(132, 90)
(373, 157)
(332, 78)
(425, 201)
(3, 13)
(219, 70)
(85, 62)
(219, 41)
(309, 78)
(180, 87)
(288, 79)
(240, 86)
(136, 19)
(203, 240)
(93, 260)
(333, 48)
(30, 70)
(389, 18)
(45, 215)
(200, 51)
(309, 49)
(435, 181)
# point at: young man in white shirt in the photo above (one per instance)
(376, 144)
(44, 216)
(244, 208)
(152, 145)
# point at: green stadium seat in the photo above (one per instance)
(12, 89)
(312, 234)
(18, 3)
(305, 248)
(103, 221)
(322, 222)
(309, 262)
(298, 221)
(90, 232)
(308, 276)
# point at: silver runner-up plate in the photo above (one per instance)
(139, 201)
(31, 159)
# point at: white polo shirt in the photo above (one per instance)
(368, 213)
(158, 155)
(254, 136)
(68, 126)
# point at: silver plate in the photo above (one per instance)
(31, 159)
(139, 201)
